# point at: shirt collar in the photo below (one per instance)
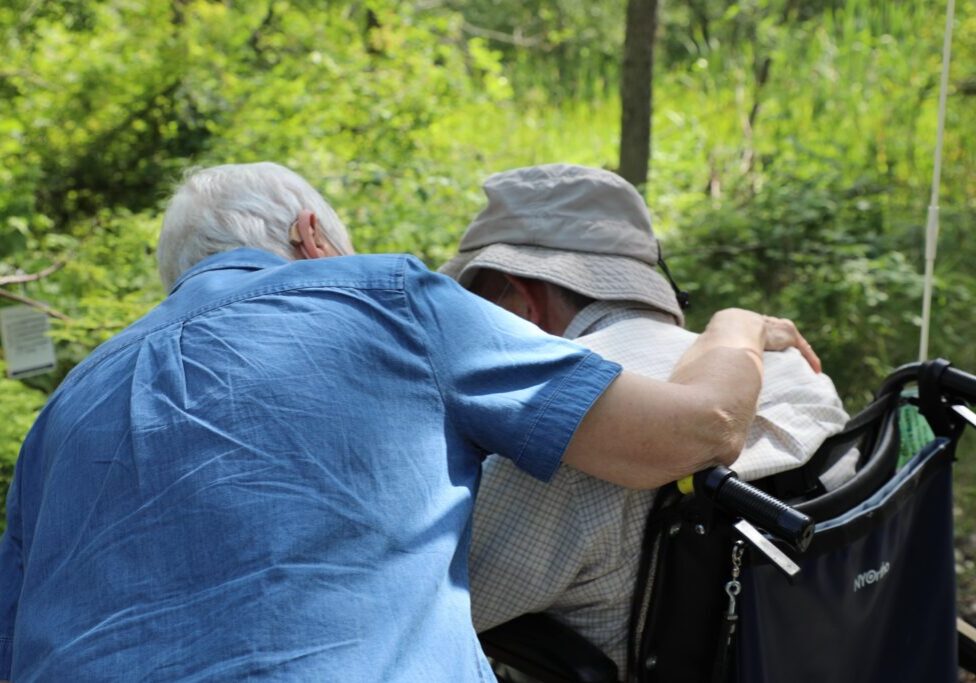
(602, 314)
(236, 259)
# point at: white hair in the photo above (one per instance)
(239, 205)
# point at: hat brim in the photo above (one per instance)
(598, 276)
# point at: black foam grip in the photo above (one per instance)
(757, 507)
(766, 512)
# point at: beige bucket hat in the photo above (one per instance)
(585, 229)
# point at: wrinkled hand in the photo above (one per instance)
(781, 334)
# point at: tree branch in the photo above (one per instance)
(255, 40)
(31, 277)
(761, 70)
(33, 303)
(511, 39)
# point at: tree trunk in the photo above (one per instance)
(636, 90)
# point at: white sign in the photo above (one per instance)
(26, 346)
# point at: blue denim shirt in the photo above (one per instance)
(271, 476)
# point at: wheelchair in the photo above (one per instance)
(874, 595)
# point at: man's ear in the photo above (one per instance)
(534, 297)
(302, 236)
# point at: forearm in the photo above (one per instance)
(643, 433)
(724, 368)
(732, 328)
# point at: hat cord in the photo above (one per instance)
(684, 299)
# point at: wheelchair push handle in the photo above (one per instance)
(724, 488)
(946, 377)
(942, 391)
(960, 382)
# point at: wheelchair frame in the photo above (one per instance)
(691, 532)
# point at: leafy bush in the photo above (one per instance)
(824, 253)
(20, 405)
(797, 192)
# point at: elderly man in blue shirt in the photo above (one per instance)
(271, 475)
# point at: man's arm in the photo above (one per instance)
(643, 433)
(539, 400)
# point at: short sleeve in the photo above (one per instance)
(509, 388)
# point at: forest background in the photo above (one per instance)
(792, 152)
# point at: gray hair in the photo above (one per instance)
(239, 205)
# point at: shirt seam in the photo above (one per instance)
(427, 345)
(395, 285)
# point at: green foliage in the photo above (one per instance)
(793, 159)
(564, 49)
(20, 405)
(107, 102)
(792, 146)
(817, 251)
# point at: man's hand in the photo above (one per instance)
(780, 334)
(642, 433)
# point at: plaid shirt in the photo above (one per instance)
(571, 547)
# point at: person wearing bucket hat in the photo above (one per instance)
(242, 483)
(583, 229)
(571, 249)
